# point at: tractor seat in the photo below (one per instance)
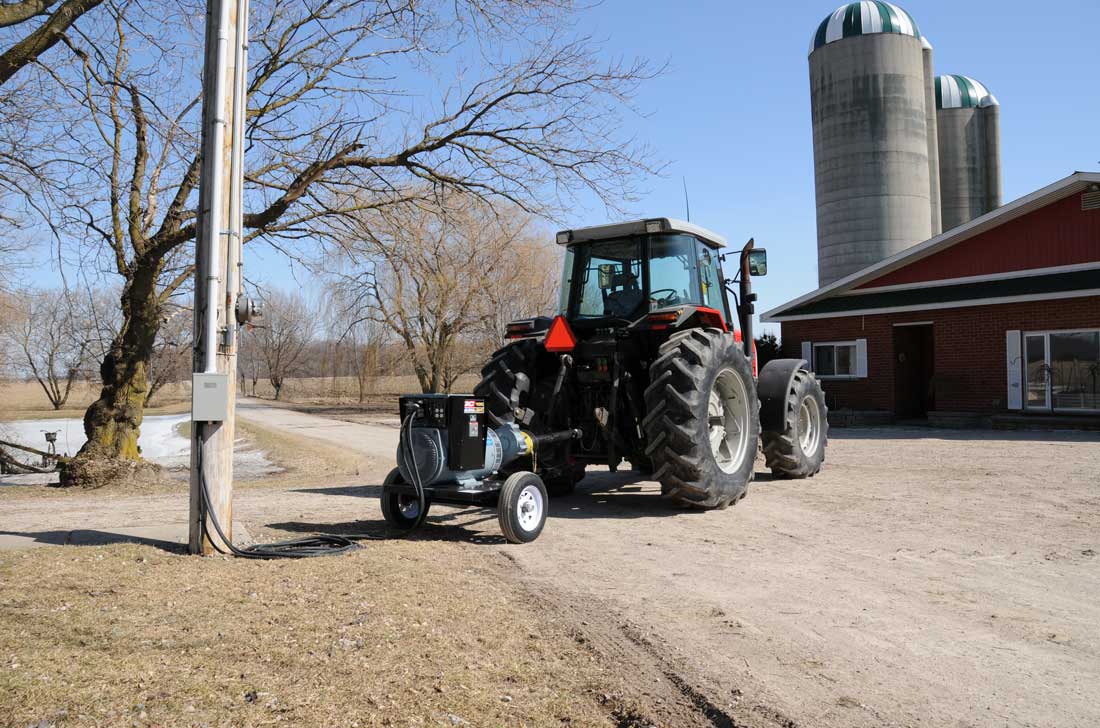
(624, 302)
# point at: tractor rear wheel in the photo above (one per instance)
(509, 381)
(798, 450)
(703, 419)
(505, 378)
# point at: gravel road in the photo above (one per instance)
(923, 578)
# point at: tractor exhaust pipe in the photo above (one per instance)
(745, 302)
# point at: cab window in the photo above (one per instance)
(673, 276)
(611, 279)
(711, 279)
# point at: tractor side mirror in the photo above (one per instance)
(606, 275)
(758, 262)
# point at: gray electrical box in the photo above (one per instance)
(209, 397)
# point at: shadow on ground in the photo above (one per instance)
(602, 495)
(89, 537)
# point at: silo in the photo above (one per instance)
(873, 148)
(968, 121)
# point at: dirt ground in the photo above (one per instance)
(923, 578)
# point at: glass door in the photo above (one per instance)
(1074, 370)
(1037, 370)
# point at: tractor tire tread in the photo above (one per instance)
(782, 449)
(681, 376)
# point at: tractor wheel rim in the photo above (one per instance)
(408, 506)
(529, 508)
(728, 421)
(809, 425)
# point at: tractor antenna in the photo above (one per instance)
(687, 202)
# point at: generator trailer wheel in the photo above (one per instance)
(401, 510)
(798, 449)
(522, 507)
(703, 419)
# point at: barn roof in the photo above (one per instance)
(840, 298)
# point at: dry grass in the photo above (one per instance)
(399, 633)
(382, 394)
(304, 460)
(27, 401)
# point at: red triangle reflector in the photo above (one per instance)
(560, 336)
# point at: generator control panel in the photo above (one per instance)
(461, 416)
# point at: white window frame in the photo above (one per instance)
(854, 343)
(1050, 408)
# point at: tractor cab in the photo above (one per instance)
(617, 275)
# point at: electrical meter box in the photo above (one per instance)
(461, 416)
(209, 397)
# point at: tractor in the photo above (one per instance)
(640, 365)
(643, 360)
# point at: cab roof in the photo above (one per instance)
(649, 225)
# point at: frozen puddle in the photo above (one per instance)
(160, 441)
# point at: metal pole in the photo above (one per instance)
(746, 306)
(219, 242)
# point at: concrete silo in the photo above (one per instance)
(874, 148)
(968, 121)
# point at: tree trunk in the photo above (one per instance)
(112, 423)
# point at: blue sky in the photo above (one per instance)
(732, 114)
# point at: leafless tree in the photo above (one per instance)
(171, 360)
(281, 339)
(441, 277)
(50, 20)
(29, 157)
(53, 337)
(330, 135)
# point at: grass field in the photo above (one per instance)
(398, 633)
(381, 395)
(27, 401)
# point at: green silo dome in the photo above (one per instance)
(962, 92)
(863, 18)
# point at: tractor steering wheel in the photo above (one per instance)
(667, 300)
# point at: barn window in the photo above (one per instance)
(837, 359)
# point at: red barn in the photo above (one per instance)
(999, 315)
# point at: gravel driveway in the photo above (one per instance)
(923, 578)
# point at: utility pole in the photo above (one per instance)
(218, 272)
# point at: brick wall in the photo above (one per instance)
(969, 351)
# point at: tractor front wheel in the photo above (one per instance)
(703, 419)
(798, 449)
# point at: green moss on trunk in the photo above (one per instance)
(112, 423)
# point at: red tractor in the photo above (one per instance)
(641, 364)
(644, 362)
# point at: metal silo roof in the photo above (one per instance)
(961, 92)
(863, 18)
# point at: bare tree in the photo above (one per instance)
(171, 360)
(330, 135)
(53, 338)
(440, 278)
(249, 360)
(27, 46)
(282, 338)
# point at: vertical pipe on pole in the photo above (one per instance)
(236, 178)
(212, 229)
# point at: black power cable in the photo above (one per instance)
(408, 458)
(299, 548)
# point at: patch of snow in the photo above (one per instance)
(160, 442)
